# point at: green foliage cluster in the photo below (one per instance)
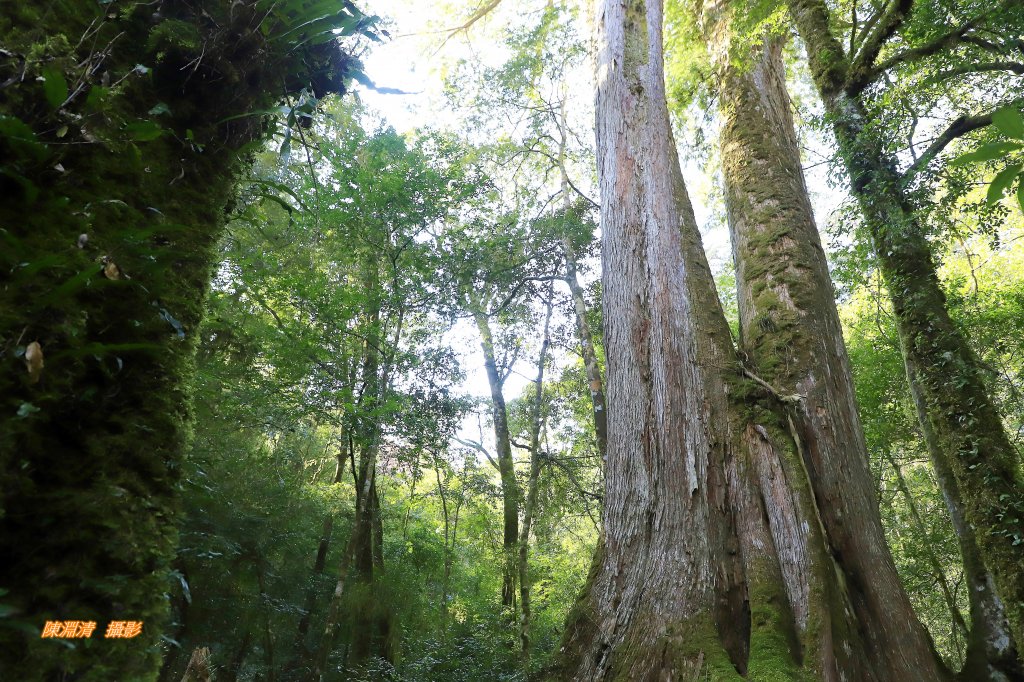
(280, 408)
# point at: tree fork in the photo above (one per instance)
(790, 328)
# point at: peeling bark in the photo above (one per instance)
(721, 558)
(791, 333)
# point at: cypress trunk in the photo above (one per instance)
(791, 333)
(717, 561)
(114, 180)
(963, 431)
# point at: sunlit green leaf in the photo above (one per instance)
(1001, 183)
(1010, 122)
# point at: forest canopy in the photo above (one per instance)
(648, 341)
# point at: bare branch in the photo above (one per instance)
(478, 447)
(958, 128)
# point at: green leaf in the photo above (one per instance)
(281, 188)
(1010, 122)
(26, 410)
(1001, 183)
(159, 109)
(986, 152)
(143, 131)
(1020, 195)
(21, 137)
(286, 147)
(55, 86)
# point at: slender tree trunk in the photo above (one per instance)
(530, 506)
(593, 369)
(510, 492)
(268, 636)
(963, 430)
(230, 671)
(956, 616)
(300, 649)
(447, 550)
(717, 561)
(359, 553)
(579, 301)
(334, 611)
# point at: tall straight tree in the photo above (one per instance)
(976, 465)
(718, 558)
(790, 326)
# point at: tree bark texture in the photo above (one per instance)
(688, 554)
(963, 430)
(790, 331)
(510, 493)
(717, 561)
(110, 214)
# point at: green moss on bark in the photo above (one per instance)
(116, 170)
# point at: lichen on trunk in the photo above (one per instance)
(720, 558)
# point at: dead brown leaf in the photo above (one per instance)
(34, 361)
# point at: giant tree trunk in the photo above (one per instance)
(510, 493)
(715, 560)
(92, 426)
(963, 431)
(790, 329)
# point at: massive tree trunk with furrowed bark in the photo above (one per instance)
(720, 559)
(790, 330)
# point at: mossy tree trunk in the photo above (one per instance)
(790, 331)
(964, 432)
(717, 560)
(120, 126)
